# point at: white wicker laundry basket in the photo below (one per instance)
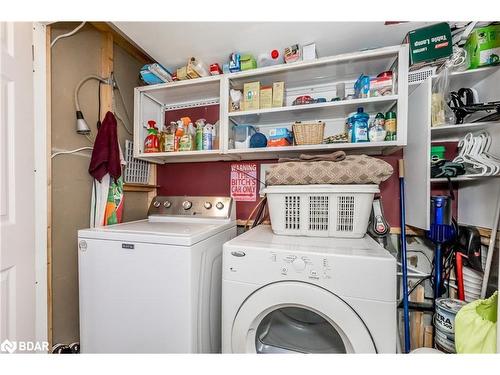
(320, 210)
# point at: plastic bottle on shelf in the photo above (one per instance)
(215, 136)
(360, 126)
(376, 131)
(179, 132)
(199, 67)
(269, 58)
(162, 138)
(192, 133)
(207, 137)
(151, 143)
(199, 134)
(391, 126)
(169, 145)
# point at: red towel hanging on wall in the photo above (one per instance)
(106, 154)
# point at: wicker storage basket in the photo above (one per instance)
(308, 133)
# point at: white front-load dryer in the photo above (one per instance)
(285, 294)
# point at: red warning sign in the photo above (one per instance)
(244, 182)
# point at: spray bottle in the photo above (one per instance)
(151, 143)
(199, 134)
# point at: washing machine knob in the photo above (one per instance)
(156, 204)
(187, 205)
(167, 204)
(207, 205)
(299, 264)
(219, 205)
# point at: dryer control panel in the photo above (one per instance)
(355, 276)
(309, 267)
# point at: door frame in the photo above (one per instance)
(41, 98)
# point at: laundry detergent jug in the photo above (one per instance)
(359, 123)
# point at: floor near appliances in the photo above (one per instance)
(308, 295)
(153, 286)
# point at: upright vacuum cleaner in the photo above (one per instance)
(442, 231)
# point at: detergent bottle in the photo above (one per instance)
(359, 123)
(151, 143)
(270, 58)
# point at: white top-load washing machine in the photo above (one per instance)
(283, 294)
(154, 286)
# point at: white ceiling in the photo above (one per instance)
(172, 43)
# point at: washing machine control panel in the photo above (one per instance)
(211, 207)
(310, 267)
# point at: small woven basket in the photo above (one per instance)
(308, 133)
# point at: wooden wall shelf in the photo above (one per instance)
(141, 188)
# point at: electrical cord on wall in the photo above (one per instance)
(99, 106)
(78, 28)
(71, 151)
(117, 88)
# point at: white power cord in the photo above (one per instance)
(67, 34)
(80, 84)
(117, 87)
(70, 151)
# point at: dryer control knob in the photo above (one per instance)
(219, 205)
(156, 204)
(298, 264)
(187, 205)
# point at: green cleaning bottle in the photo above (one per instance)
(199, 134)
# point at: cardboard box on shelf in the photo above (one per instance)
(251, 96)
(429, 43)
(483, 46)
(266, 97)
(278, 94)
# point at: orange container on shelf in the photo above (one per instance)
(278, 142)
(179, 132)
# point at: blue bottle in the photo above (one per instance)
(359, 123)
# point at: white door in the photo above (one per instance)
(288, 317)
(17, 228)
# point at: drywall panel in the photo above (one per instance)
(72, 59)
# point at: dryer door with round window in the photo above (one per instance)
(297, 317)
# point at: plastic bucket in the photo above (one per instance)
(446, 309)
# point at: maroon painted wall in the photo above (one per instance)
(213, 178)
